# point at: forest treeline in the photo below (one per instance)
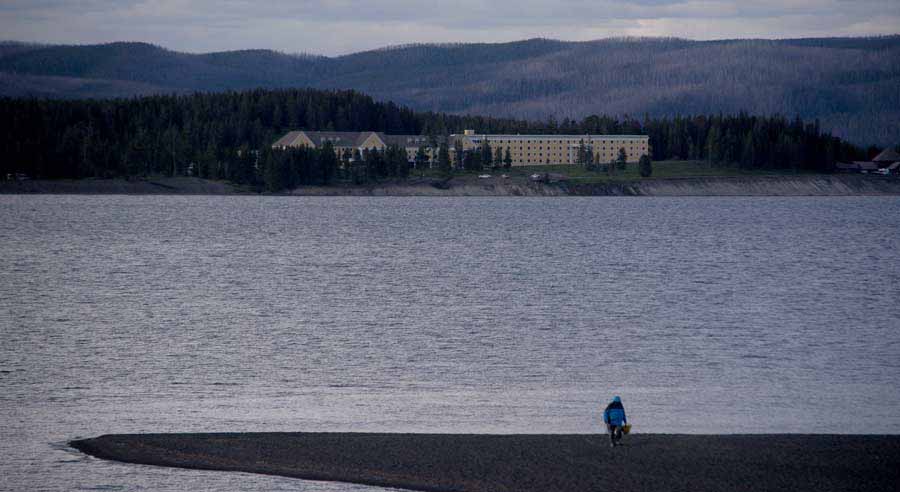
(849, 84)
(229, 136)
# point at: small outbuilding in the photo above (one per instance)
(891, 170)
(888, 162)
(887, 156)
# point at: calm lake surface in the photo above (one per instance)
(128, 314)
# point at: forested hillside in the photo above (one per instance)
(848, 84)
(229, 136)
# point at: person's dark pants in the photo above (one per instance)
(615, 433)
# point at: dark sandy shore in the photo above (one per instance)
(784, 185)
(522, 463)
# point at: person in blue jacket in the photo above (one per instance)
(614, 418)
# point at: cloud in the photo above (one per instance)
(342, 26)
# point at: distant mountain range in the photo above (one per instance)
(852, 85)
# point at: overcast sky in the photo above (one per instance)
(332, 27)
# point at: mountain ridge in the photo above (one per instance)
(849, 84)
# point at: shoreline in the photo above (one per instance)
(764, 185)
(528, 462)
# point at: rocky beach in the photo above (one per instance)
(467, 185)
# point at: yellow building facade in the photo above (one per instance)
(524, 150)
(533, 150)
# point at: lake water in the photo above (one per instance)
(486, 315)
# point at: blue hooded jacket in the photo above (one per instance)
(615, 413)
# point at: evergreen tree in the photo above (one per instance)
(242, 168)
(507, 159)
(397, 163)
(275, 175)
(498, 157)
(748, 150)
(444, 160)
(487, 155)
(645, 166)
(358, 168)
(207, 164)
(713, 145)
(346, 157)
(376, 166)
(458, 153)
(582, 152)
(622, 159)
(421, 159)
(472, 160)
(328, 164)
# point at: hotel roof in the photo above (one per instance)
(551, 137)
(338, 139)
(404, 140)
(287, 140)
(887, 155)
(348, 139)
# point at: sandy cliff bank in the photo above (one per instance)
(799, 185)
(791, 185)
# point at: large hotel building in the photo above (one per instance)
(524, 150)
(531, 150)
